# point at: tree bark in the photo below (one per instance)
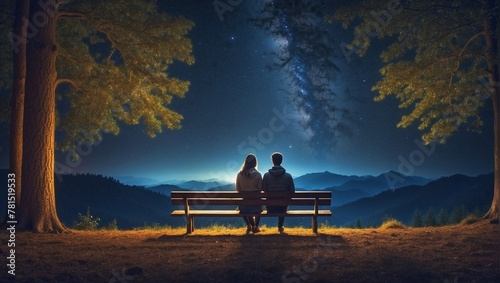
(494, 212)
(17, 104)
(491, 30)
(38, 206)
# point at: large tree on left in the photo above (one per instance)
(37, 208)
(112, 58)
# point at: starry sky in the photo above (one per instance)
(238, 103)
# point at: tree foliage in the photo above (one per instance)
(442, 217)
(435, 62)
(457, 214)
(430, 218)
(441, 64)
(417, 220)
(108, 63)
(113, 67)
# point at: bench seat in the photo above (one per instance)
(232, 213)
(202, 203)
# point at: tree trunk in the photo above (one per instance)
(38, 206)
(491, 30)
(493, 213)
(19, 66)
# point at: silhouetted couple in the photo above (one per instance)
(276, 179)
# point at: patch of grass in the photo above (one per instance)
(154, 226)
(392, 223)
(240, 230)
(217, 226)
(326, 225)
(222, 229)
(90, 256)
(469, 219)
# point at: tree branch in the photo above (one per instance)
(98, 23)
(442, 59)
(457, 57)
(73, 15)
(461, 54)
(82, 16)
(455, 29)
(68, 58)
(68, 81)
(435, 62)
(469, 42)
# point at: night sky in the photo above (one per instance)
(236, 104)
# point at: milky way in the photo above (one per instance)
(263, 58)
(305, 52)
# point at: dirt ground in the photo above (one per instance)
(453, 254)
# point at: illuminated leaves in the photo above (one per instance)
(113, 60)
(435, 61)
(113, 67)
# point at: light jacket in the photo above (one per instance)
(252, 182)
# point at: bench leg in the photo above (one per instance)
(189, 225)
(315, 224)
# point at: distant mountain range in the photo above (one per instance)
(150, 182)
(383, 182)
(165, 189)
(344, 188)
(137, 181)
(340, 197)
(473, 193)
(323, 180)
(134, 206)
(191, 186)
(108, 199)
(201, 185)
(369, 184)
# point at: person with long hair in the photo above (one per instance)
(249, 179)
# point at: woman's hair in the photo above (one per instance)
(249, 163)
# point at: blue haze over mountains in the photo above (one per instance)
(136, 206)
(344, 188)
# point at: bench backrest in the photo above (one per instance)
(205, 198)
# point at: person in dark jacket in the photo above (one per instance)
(278, 180)
(250, 180)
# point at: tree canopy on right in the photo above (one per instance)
(441, 62)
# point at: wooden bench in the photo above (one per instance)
(200, 204)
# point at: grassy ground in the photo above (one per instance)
(464, 253)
